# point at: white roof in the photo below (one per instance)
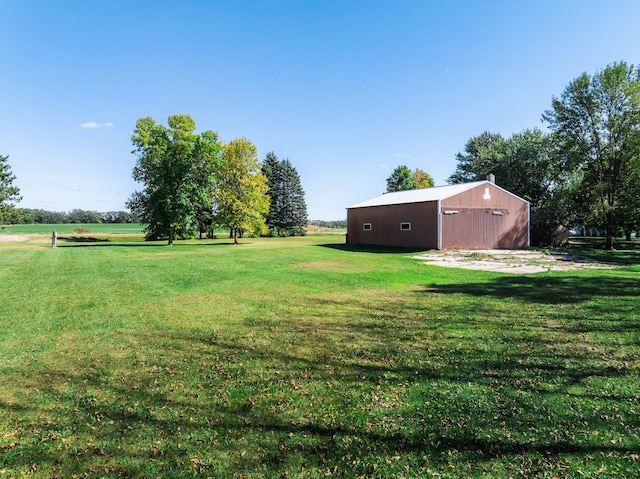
(420, 195)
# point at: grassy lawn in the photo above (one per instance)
(68, 229)
(301, 357)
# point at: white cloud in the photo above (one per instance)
(95, 124)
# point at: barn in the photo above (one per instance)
(478, 215)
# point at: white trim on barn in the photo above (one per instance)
(436, 193)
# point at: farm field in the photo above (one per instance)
(302, 357)
(68, 229)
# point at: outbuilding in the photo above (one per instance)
(478, 215)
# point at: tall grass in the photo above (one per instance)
(301, 357)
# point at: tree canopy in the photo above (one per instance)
(401, 180)
(9, 193)
(240, 191)
(287, 214)
(523, 163)
(478, 159)
(175, 166)
(596, 122)
(422, 179)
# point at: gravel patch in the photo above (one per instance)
(511, 261)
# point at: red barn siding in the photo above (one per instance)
(494, 220)
(483, 217)
(385, 225)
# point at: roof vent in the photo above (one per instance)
(491, 178)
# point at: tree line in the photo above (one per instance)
(39, 216)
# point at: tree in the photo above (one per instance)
(9, 194)
(175, 165)
(527, 165)
(422, 179)
(524, 164)
(630, 201)
(287, 214)
(477, 160)
(401, 180)
(240, 192)
(597, 123)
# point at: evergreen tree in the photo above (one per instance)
(8, 192)
(288, 210)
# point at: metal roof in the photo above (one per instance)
(420, 195)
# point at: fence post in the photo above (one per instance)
(54, 239)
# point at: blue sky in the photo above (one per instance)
(346, 89)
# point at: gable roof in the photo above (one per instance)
(420, 195)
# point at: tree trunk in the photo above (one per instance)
(170, 242)
(609, 244)
(235, 236)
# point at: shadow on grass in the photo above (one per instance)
(82, 239)
(592, 243)
(356, 381)
(545, 289)
(371, 249)
(200, 397)
(136, 244)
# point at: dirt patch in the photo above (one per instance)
(514, 262)
(13, 238)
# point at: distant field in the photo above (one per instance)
(307, 358)
(65, 229)
(109, 229)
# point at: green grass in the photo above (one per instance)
(301, 357)
(67, 229)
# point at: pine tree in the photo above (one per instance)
(288, 210)
(8, 192)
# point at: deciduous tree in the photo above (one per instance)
(422, 179)
(478, 158)
(597, 123)
(401, 180)
(240, 192)
(175, 165)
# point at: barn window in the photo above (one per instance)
(405, 226)
(366, 226)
